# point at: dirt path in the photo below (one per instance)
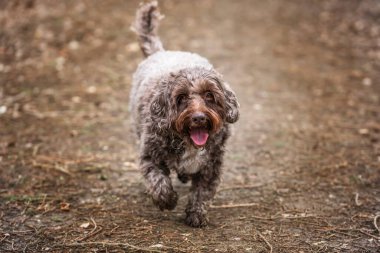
(305, 155)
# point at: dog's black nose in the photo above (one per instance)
(199, 118)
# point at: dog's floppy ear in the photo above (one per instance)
(232, 105)
(159, 111)
(159, 106)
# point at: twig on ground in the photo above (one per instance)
(266, 241)
(5, 236)
(231, 188)
(95, 225)
(44, 199)
(65, 161)
(357, 203)
(22, 231)
(59, 163)
(375, 223)
(120, 244)
(262, 218)
(30, 244)
(112, 230)
(356, 230)
(42, 205)
(34, 228)
(92, 233)
(240, 187)
(55, 166)
(364, 232)
(49, 210)
(233, 205)
(36, 149)
(284, 216)
(342, 233)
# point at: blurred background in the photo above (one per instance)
(302, 169)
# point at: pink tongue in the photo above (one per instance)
(199, 136)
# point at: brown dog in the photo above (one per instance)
(181, 110)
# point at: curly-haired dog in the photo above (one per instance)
(181, 109)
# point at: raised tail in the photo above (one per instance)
(146, 25)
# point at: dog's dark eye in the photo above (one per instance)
(209, 97)
(181, 99)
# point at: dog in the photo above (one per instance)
(181, 109)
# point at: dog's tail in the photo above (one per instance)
(146, 25)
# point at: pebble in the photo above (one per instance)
(133, 47)
(367, 81)
(3, 109)
(91, 89)
(73, 45)
(59, 62)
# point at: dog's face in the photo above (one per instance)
(196, 104)
(200, 110)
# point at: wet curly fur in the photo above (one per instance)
(181, 110)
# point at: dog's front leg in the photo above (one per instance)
(159, 185)
(203, 189)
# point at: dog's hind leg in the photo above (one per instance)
(159, 185)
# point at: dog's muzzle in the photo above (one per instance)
(199, 129)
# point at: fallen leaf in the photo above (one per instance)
(65, 206)
(85, 225)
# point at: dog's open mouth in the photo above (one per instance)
(199, 136)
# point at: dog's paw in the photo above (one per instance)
(196, 219)
(165, 200)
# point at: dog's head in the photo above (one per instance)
(195, 103)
